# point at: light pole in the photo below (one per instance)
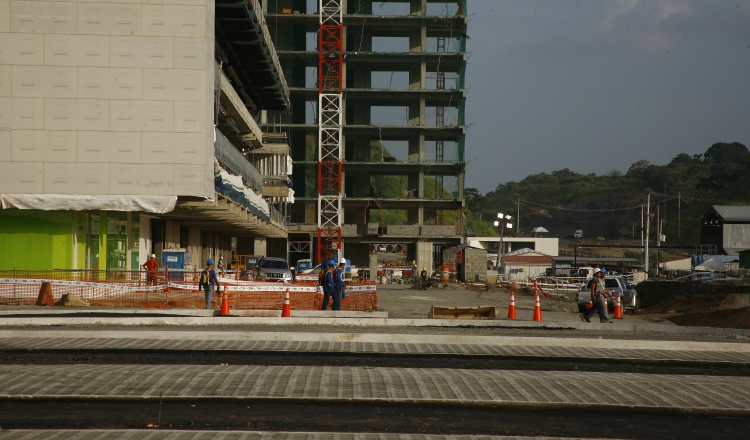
(502, 222)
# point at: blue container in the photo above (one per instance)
(304, 264)
(175, 263)
(251, 261)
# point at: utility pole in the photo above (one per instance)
(658, 237)
(679, 215)
(641, 225)
(518, 215)
(648, 225)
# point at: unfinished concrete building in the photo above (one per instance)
(403, 129)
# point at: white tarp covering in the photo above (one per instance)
(232, 187)
(75, 202)
(711, 266)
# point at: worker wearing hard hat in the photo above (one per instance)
(598, 297)
(151, 267)
(423, 275)
(329, 289)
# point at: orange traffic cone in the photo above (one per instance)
(512, 306)
(286, 311)
(224, 302)
(618, 308)
(537, 309)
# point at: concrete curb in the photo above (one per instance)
(381, 338)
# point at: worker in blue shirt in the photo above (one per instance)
(338, 280)
(329, 289)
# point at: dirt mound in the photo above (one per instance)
(738, 318)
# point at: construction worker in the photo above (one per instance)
(328, 287)
(209, 282)
(423, 275)
(151, 267)
(338, 280)
(599, 297)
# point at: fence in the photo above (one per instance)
(173, 289)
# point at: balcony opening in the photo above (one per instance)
(390, 44)
(389, 115)
(389, 151)
(433, 151)
(389, 80)
(311, 112)
(440, 116)
(390, 187)
(444, 44)
(390, 8)
(442, 81)
(386, 217)
(442, 9)
(440, 187)
(311, 77)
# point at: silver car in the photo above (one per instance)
(616, 285)
(273, 269)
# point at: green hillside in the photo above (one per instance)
(610, 205)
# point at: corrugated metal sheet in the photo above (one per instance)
(733, 213)
(736, 237)
(531, 259)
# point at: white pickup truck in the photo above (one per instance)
(617, 286)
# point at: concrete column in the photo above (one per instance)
(418, 7)
(373, 267)
(424, 255)
(259, 246)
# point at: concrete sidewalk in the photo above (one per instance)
(706, 395)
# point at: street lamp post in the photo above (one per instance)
(503, 222)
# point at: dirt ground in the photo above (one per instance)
(663, 302)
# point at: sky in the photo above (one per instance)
(596, 85)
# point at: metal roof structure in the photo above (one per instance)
(733, 213)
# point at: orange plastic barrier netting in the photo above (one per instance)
(128, 289)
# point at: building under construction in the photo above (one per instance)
(399, 173)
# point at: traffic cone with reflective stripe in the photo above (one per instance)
(512, 306)
(224, 302)
(286, 311)
(537, 309)
(618, 308)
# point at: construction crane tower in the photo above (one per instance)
(330, 120)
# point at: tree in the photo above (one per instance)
(722, 152)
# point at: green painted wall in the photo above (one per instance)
(34, 240)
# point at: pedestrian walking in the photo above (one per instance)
(208, 282)
(328, 287)
(338, 280)
(599, 297)
(151, 267)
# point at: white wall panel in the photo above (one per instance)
(4, 15)
(43, 146)
(177, 21)
(110, 83)
(109, 19)
(5, 142)
(22, 49)
(188, 179)
(141, 115)
(159, 84)
(76, 50)
(22, 177)
(176, 148)
(190, 116)
(140, 179)
(75, 178)
(185, 2)
(76, 114)
(43, 17)
(44, 82)
(109, 146)
(22, 113)
(147, 52)
(5, 77)
(190, 53)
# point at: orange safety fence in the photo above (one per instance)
(172, 290)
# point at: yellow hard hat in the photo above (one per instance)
(424, 268)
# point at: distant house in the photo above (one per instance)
(525, 265)
(726, 227)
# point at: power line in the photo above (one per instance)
(587, 210)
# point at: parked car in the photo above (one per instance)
(616, 285)
(273, 269)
